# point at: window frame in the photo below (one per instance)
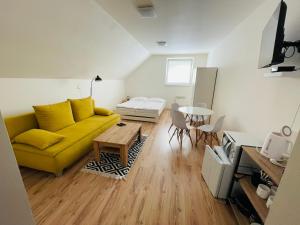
(191, 71)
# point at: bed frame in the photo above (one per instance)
(141, 118)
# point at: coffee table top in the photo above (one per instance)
(119, 135)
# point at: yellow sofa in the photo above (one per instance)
(77, 141)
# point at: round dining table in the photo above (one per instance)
(196, 111)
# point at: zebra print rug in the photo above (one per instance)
(110, 165)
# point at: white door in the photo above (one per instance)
(205, 85)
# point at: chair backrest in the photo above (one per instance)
(218, 125)
(200, 104)
(178, 120)
(174, 106)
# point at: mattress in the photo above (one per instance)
(142, 107)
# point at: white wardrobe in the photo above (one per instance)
(204, 88)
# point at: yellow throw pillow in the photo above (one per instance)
(54, 117)
(82, 108)
(38, 138)
(103, 111)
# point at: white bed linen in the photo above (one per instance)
(146, 107)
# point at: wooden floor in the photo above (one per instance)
(163, 187)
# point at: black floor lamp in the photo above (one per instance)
(97, 78)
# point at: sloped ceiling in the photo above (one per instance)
(64, 39)
(188, 26)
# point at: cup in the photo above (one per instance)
(273, 190)
(270, 201)
(263, 191)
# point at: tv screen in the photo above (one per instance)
(271, 50)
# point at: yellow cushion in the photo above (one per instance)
(38, 138)
(103, 111)
(82, 108)
(54, 117)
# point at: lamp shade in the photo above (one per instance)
(98, 78)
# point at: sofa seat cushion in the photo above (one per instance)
(72, 135)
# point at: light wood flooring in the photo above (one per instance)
(164, 187)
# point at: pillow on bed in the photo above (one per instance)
(139, 99)
(156, 100)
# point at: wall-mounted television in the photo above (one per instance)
(273, 47)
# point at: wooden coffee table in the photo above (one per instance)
(118, 137)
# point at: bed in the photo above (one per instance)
(142, 109)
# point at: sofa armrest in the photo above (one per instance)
(103, 111)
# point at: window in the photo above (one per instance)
(179, 71)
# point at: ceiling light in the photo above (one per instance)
(147, 12)
(162, 43)
(145, 8)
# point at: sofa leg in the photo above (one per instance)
(59, 174)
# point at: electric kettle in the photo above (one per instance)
(276, 146)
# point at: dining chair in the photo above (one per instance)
(211, 130)
(181, 127)
(174, 107)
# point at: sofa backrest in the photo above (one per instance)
(16, 125)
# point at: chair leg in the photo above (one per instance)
(181, 138)
(189, 134)
(205, 137)
(187, 117)
(216, 138)
(173, 135)
(196, 137)
(170, 127)
(201, 135)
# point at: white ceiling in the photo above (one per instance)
(189, 26)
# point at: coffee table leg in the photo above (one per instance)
(97, 151)
(124, 155)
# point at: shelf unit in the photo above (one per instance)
(258, 203)
(241, 219)
(273, 171)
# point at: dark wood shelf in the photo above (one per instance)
(274, 172)
(258, 203)
(241, 218)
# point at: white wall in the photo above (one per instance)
(250, 101)
(149, 79)
(257, 104)
(15, 209)
(64, 39)
(18, 95)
